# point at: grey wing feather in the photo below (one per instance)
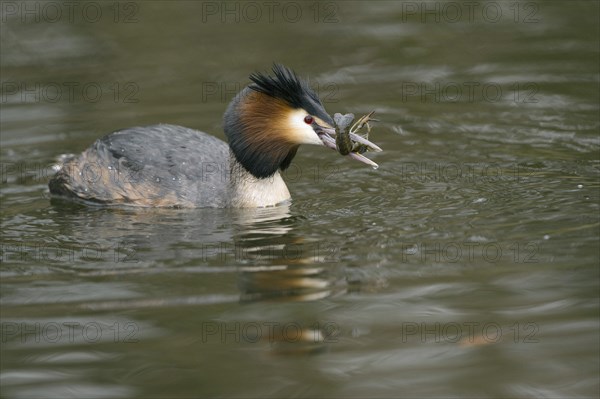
(158, 165)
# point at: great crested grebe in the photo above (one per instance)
(174, 166)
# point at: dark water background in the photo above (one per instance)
(466, 265)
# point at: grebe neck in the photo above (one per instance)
(249, 191)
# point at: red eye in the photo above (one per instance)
(308, 119)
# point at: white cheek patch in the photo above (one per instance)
(301, 131)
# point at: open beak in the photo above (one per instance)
(327, 136)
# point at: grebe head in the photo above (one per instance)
(267, 121)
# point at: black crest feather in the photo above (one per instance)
(286, 85)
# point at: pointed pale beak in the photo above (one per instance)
(327, 136)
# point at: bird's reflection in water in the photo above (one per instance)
(272, 262)
(276, 265)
